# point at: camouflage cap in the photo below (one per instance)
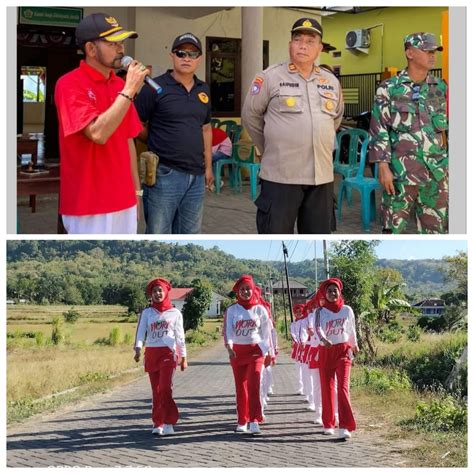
(423, 41)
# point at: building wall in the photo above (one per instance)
(154, 48)
(384, 52)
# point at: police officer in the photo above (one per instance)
(292, 112)
(408, 139)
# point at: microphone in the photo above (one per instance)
(125, 62)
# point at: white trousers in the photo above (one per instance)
(120, 222)
(299, 377)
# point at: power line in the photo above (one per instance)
(296, 245)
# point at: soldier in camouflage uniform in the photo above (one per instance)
(408, 139)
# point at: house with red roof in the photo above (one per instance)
(178, 297)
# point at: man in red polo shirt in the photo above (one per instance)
(99, 184)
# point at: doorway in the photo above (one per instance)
(44, 54)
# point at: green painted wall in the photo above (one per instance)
(397, 21)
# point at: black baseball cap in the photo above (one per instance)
(307, 24)
(101, 26)
(186, 38)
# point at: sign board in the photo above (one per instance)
(50, 16)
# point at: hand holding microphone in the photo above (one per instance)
(132, 66)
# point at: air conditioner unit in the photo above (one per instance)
(356, 39)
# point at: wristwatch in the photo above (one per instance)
(139, 192)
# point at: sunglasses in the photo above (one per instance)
(181, 54)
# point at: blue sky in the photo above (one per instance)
(304, 249)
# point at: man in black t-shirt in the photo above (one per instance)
(177, 117)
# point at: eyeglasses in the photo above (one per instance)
(181, 54)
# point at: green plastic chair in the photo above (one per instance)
(233, 130)
(366, 187)
(356, 137)
(244, 155)
(215, 123)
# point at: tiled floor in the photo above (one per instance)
(225, 213)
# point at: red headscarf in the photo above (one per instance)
(166, 286)
(298, 307)
(254, 299)
(335, 306)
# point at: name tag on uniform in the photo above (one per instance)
(416, 92)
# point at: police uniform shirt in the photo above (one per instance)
(293, 122)
(175, 118)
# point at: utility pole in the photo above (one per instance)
(285, 254)
(284, 307)
(315, 266)
(272, 304)
(326, 261)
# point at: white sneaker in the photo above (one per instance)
(311, 407)
(344, 434)
(158, 430)
(167, 430)
(318, 422)
(254, 428)
(241, 428)
(328, 431)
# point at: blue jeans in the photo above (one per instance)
(218, 155)
(174, 204)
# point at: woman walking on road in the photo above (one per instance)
(160, 328)
(247, 337)
(335, 326)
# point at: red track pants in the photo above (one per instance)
(333, 361)
(160, 365)
(247, 368)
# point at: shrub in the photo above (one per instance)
(127, 339)
(39, 339)
(392, 332)
(114, 336)
(431, 369)
(196, 337)
(445, 414)
(382, 381)
(57, 335)
(71, 316)
(21, 334)
(413, 333)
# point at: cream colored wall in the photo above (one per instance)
(33, 113)
(153, 48)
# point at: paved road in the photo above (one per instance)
(114, 429)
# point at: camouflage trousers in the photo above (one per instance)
(430, 201)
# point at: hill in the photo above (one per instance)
(86, 272)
